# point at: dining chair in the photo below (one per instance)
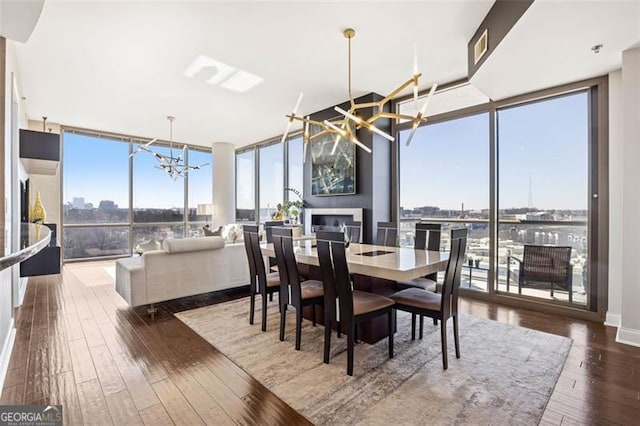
(440, 306)
(261, 282)
(268, 226)
(427, 237)
(354, 306)
(353, 231)
(387, 234)
(293, 291)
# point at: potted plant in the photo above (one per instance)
(293, 209)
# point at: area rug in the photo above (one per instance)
(506, 374)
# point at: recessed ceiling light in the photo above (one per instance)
(596, 48)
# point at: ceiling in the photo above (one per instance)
(120, 66)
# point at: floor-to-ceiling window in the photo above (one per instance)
(113, 202)
(271, 179)
(200, 190)
(295, 166)
(158, 200)
(444, 178)
(519, 174)
(543, 175)
(95, 196)
(245, 186)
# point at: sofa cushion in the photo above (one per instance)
(171, 245)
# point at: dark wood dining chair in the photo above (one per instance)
(293, 291)
(261, 282)
(427, 237)
(387, 234)
(268, 226)
(354, 306)
(440, 306)
(544, 268)
(353, 231)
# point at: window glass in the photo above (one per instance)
(245, 187)
(156, 196)
(271, 180)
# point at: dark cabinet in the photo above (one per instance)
(46, 261)
(39, 151)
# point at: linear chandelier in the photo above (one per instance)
(176, 166)
(349, 122)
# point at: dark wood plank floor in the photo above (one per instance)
(78, 345)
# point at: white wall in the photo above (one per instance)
(224, 183)
(629, 330)
(9, 278)
(616, 159)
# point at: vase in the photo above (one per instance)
(38, 214)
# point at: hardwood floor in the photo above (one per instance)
(77, 344)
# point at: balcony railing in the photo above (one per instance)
(512, 237)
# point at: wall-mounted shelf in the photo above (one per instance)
(39, 152)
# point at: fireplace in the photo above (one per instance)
(329, 218)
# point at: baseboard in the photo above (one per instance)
(6, 353)
(612, 320)
(628, 336)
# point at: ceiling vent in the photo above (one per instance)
(481, 46)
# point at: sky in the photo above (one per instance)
(98, 169)
(447, 164)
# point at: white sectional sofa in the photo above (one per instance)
(183, 267)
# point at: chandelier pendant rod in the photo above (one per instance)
(350, 33)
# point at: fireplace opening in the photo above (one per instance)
(329, 222)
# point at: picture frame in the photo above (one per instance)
(332, 174)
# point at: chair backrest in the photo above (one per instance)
(286, 258)
(387, 234)
(246, 230)
(335, 272)
(428, 236)
(453, 274)
(260, 272)
(268, 226)
(546, 264)
(353, 231)
(325, 241)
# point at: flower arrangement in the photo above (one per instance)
(294, 208)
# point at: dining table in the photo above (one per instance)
(389, 263)
(374, 268)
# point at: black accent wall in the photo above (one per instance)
(373, 172)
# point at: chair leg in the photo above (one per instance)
(298, 326)
(327, 338)
(421, 326)
(252, 307)
(455, 335)
(339, 327)
(350, 333)
(391, 331)
(413, 326)
(443, 338)
(313, 314)
(435, 321)
(283, 321)
(270, 297)
(264, 312)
